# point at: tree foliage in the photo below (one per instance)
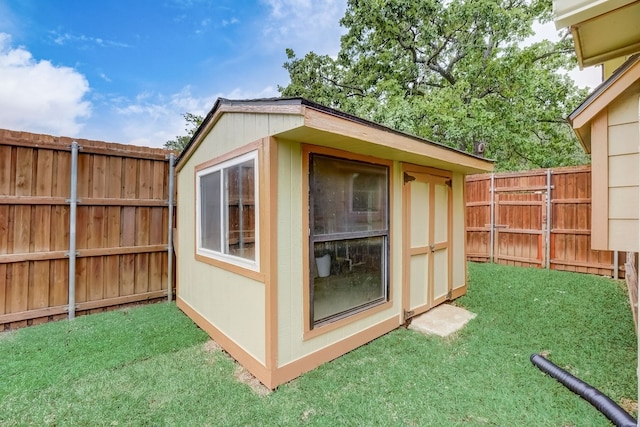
(178, 144)
(453, 71)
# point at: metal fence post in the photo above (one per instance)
(547, 239)
(492, 222)
(73, 204)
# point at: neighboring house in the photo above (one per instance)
(606, 32)
(304, 232)
(602, 30)
(607, 125)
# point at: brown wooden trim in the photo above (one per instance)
(475, 204)
(85, 201)
(459, 291)
(431, 257)
(477, 255)
(450, 243)
(224, 265)
(600, 182)
(523, 189)
(32, 200)
(570, 201)
(570, 169)
(63, 144)
(463, 289)
(269, 246)
(248, 148)
(89, 305)
(582, 264)
(87, 149)
(81, 253)
(570, 231)
(406, 248)
(518, 231)
(521, 202)
(409, 167)
(238, 353)
(518, 259)
(478, 229)
(307, 363)
(307, 150)
(33, 314)
(332, 326)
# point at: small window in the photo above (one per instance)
(349, 239)
(226, 211)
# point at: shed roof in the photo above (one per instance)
(322, 124)
(624, 77)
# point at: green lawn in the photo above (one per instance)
(150, 366)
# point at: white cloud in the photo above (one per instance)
(62, 39)
(305, 24)
(37, 96)
(152, 119)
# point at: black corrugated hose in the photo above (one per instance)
(604, 404)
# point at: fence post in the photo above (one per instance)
(170, 231)
(547, 238)
(492, 222)
(73, 204)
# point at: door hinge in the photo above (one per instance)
(408, 178)
(408, 314)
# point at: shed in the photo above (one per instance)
(304, 232)
(607, 125)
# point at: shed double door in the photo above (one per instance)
(426, 235)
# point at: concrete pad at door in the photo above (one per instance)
(443, 320)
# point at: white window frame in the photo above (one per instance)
(224, 231)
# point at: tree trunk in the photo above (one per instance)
(631, 275)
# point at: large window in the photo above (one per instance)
(226, 211)
(349, 237)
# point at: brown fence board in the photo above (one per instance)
(121, 248)
(520, 204)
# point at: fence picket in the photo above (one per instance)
(124, 190)
(570, 220)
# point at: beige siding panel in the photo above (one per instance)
(625, 108)
(458, 244)
(623, 139)
(623, 170)
(234, 130)
(440, 274)
(290, 240)
(623, 203)
(623, 235)
(232, 303)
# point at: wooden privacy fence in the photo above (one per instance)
(538, 218)
(121, 226)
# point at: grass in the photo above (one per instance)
(150, 366)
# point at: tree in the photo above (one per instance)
(180, 142)
(453, 71)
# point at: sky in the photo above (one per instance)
(126, 71)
